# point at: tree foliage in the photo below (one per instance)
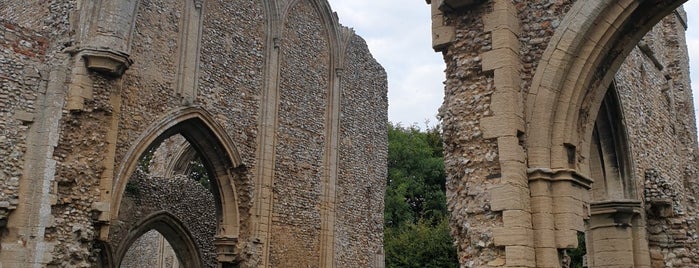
(199, 173)
(415, 219)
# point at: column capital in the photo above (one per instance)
(549, 174)
(621, 210)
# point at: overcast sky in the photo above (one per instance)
(398, 35)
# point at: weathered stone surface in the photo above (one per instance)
(291, 104)
(538, 100)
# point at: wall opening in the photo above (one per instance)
(175, 156)
(615, 221)
(184, 165)
(609, 163)
(159, 240)
(151, 250)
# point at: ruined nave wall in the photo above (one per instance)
(270, 74)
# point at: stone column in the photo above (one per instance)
(542, 219)
(612, 238)
(559, 208)
(570, 194)
(105, 51)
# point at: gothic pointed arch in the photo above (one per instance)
(615, 208)
(574, 125)
(183, 159)
(610, 163)
(173, 230)
(576, 68)
(218, 154)
(105, 258)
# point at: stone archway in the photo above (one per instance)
(185, 155)
(572, 77)
(173, 230)
(218, 155)
(615, 230)
(570, 84)
(525, 81)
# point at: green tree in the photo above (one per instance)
(415, 219)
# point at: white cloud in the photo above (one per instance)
(398, 35)
(411, 100)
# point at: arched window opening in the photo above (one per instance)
(184, 165)
(160, 240)
(609, 162)
(151, 250)
(171, 176)
(175, 156)
(614, 228)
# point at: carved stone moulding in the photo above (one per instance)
(560, 175)
(622, 211)
(226, 250)
(106, 61)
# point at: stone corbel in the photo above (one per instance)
(100, 211)
(621, 211)
(226, 249)
(101, 217)
(106, 61)
(660, 207)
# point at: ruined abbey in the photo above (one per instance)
(568, 128)
(236, 133)
(241, 133)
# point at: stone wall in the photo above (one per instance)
(31, 85)
(150, 250)
(663, 140)
(20, 83)
(302, 117)
(539, 20)
(360, 209)
(185, 198)
(88, 88)
(525, 81)
(471, 161)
